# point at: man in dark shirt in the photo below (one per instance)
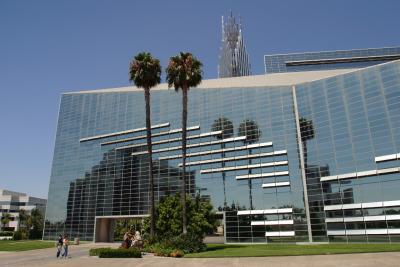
(59, 245)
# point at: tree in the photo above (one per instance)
(250, 130)
(184, 71)
(35, 224)
(5, 219)
(145, 72)
(22, 218)
(226, 127)
(201, 218)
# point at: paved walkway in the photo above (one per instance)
(80, 258)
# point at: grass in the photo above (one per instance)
(221, 251)
(23, 245)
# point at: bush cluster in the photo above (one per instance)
(115, 253)
(19, 235)
(175, 246)
(160, 249)
(170, 241)
(96, 251)
(188, 243)
(6, 233)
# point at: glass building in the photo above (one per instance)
(309, 156)
(341, 59)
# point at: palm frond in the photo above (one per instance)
(145, 70)
(184, 70)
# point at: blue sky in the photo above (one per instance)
(50, 47)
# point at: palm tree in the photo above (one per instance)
(23, 217)
(36, 224)
(226, 126)
(184, 71)
(145, 72)
(5, 219)
(249, 128)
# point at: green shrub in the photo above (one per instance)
(176, 246)
(120, 253)
(187, 243)
(19, 235)
(162, 251)
(149, 240)
(96, 251)
(6, 233)
(177, 254)
(168, 213)
(169, 240)
(36, 234)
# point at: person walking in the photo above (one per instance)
(59, 245)
(65, 246)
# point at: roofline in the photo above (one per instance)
(317, 52)
(264, 80)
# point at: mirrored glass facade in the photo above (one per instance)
(315, 161)
(328, 60)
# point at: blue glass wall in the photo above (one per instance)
(349, 135)
(101, 177)
(341, 59)
(356, 118)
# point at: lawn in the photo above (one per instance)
(23, 245)
(220, 251)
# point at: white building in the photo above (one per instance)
(12, 202)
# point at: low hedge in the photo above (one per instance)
(167, 252)
(20, 235)
(96, 251)
(115, 253)
(6, 233)
(175, 246)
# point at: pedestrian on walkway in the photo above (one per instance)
(65, 246)
(59, 245)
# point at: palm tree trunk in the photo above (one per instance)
(150, 153)
(223, 174)
(184, 123)
(250, 183)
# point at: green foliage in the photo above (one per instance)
(5, 219)
(223, 124)
(96, 251)
(119, 253)
(250, 129)
(184, 71)
(170, 242)
(169, 217)
(35, 223)
(20, 234)
(30, 225)
(161, 250)
(125, 225)
(165, 250)
(23, 217)
(145, 71)
(6, 233)
(187, 243)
